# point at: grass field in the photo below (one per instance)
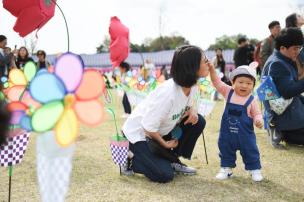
(96, 178)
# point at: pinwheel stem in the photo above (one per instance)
(10, 173)
(66, 24)
(113, 114)
(21, 96)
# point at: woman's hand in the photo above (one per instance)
(171, 144)
(192, 117)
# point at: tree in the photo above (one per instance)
(105, 46)
(229, 42)
(167, 43)
(159, 43)
(149, 45)
(30, 43)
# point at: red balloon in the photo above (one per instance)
(31, 14)
(119, 46)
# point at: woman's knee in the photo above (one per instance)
(201, 123)
(163, 177)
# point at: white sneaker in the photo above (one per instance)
(256, 175)
(182, 168)
(224, 173)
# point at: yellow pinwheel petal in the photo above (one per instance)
(66, 129)
(17, 77)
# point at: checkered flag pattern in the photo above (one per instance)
(53, 177)
(13, 151)
(119, 154)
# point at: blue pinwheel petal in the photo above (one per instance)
(47, 87)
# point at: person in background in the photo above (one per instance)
(268, 44)
(148, 69)
(124, 67)
(220, 64)
(243, 55)
(163, 74)
(5, 57)
(12, 63)
(42, 63)
(23, 57)
(296, 20)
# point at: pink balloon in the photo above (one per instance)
(69, 68)
(119, 46)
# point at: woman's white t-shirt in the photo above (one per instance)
(159, 112)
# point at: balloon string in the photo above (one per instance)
(111, 111)
(66, 24)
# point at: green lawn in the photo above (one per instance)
(96, 178)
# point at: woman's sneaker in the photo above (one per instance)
(256, 175)
(224, 173)
(126, 169)
(182, 168)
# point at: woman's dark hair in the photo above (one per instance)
(125, 66)
(244, 75)
(5, 117)
(41, 52)
(185, 65)
(289, 37)
(27, 53)
(291, 20)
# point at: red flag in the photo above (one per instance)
(119, 46)
(31, 14)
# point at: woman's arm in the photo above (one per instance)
(166, 144)
(287, 88)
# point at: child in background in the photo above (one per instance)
(124, 67)
(241, 113)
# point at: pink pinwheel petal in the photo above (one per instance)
(91, 86)
(90, 112)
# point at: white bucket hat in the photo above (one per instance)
(245, 69)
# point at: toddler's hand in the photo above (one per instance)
(258, 123)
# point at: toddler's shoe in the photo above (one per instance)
(224, 173)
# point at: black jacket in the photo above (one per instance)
(243, 55)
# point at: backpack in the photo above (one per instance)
(258, 48)
(256, 53)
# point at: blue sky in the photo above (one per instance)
(199, 21)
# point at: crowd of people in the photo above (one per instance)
(17, 58)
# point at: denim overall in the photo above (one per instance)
(237, 133)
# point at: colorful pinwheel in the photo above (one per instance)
(16, 91)
(68, 95)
